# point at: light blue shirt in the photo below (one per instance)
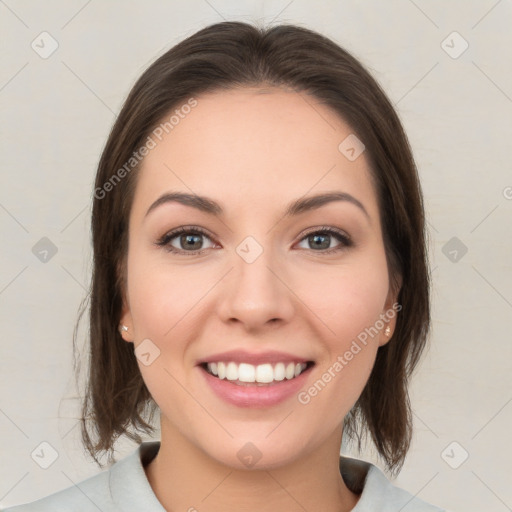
(124, 487)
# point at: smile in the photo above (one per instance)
(260, 374)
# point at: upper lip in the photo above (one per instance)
(255, 358)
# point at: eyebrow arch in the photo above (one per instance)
(296, 207)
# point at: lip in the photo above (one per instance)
(255, 358)
(251, 395)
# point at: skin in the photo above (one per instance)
(254, 151)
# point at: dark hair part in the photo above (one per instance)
(225, 56)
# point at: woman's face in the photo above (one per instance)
(258, 271)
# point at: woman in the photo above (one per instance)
(260, 279)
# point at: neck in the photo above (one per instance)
(183, 477)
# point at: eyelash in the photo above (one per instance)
(165, 240)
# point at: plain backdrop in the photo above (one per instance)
(446, 65)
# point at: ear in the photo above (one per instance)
(391, 311)
(125, 321)
(126, 324)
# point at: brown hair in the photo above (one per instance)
(228, 55)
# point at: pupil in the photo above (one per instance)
(192, 241)
(316, 241)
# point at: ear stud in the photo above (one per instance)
(387, 331)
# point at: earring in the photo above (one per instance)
(123, 328)
(387, 331)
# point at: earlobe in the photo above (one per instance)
(126, 325)
(392, 307)
(387, 333)
(124, 330)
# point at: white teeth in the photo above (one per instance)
(290, 371)
(232, 371)
(279, 371)
(262, 373)
(246, 372)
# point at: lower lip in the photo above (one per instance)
(254, 395)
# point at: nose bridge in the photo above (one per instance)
(255, 294)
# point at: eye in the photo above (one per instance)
(185, 240)
(321, 240)
(190, 240)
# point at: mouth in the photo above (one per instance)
(265, 374)
(249, 379)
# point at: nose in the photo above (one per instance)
(256, 294)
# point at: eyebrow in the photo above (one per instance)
(296, 207)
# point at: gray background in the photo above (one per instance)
(456, 106)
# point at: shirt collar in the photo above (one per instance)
(129, 486)
(131, 490)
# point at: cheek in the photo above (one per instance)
(164, 297)
(164, 301)
(348, 301)
(347, 298)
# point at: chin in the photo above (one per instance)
(257, 453)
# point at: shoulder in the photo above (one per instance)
(123, 486)
(377, 492)
(89, 495)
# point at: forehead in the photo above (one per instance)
(248, 146)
